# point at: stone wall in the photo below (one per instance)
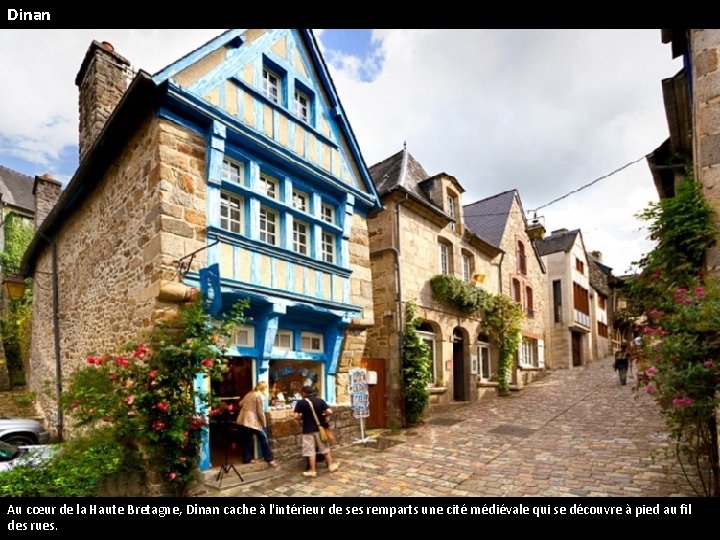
(557, 345)
(533, 325)
(102, 81)
(705, 47)
(285, 433)
(116, 249)
(419, 261)
(46, 191)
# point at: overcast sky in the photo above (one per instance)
(543, 111)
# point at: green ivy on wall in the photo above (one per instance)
(501, 315)
(18, 234)
(416, 368)
(16, 319)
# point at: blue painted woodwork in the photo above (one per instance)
(275, 303)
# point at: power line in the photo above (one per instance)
(589, 184)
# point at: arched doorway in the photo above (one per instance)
(459, 390)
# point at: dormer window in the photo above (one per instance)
(451, 209)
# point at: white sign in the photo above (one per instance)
(359, 399)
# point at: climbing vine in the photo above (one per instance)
(416, 368)
(15, 321)
(680, 362)
(502, 318)
(147, 394)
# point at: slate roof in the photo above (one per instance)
(561, 240)
(17, 189)
(488, 217)
(400, 171)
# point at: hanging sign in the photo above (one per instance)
(210, 288)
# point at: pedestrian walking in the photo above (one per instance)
(622, 362)
(309, 410)
(253, 423)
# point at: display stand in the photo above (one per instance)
(359, 401)
(226, 467)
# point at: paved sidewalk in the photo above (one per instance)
(574, 433)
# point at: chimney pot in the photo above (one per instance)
(108, 46)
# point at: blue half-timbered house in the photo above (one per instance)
(234, 168)
(287, 195)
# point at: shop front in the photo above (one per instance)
(287, 346)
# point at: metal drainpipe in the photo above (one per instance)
(502, 256)
(398, 253)
(56, 335)
(398, 280)
(56, 332)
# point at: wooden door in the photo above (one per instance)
(377, 393)
(576, 349)
(459, 393)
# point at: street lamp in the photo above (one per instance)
(15, 286)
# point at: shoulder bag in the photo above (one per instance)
(326, 434)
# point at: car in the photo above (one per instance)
(22, 431)
(34, 456)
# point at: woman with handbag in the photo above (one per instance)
(308, 410)
(253, 422)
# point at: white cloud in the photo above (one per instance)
(544, 111)
(38, 112)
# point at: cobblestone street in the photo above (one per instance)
(574, 433)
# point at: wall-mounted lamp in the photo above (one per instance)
(14, 286)
(478, 278)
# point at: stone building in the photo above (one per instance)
(692, 107)
(420, 233)
(570, 333)
(500, 220)
(16, 199)
(601, 309)
(233, 170)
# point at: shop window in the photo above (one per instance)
(287, 377)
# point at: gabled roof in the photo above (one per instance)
(17, 189)
(144, 96)
(560, 240)
(488, 217)
(205, 73)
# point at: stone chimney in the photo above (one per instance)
(46, 191)
(102, 81)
